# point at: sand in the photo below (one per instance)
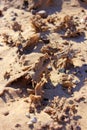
(48, 52)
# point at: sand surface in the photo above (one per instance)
(50, 45)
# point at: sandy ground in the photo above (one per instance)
(14, 64)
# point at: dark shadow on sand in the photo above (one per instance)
(79, 39)
(56, 7)
(83, 4)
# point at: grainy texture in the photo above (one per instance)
(43, 65)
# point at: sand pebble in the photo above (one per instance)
(6, 113)
(17, 125)
(30, 124)
(42, 13)
(33, 11)
(34, 120)
(71, 102)
(27, 115)
(13, 18)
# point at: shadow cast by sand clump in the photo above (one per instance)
(81, 73)
(79, 39)
(49, 5)
(83, 4)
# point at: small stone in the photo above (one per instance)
(49, 68)
(45, 40)
(33, 11)
(6, 113)
(13, 19)
(42, 13)
(71, 102)
(27, 115)
(17, 125)
(34, 120)
(30, 124)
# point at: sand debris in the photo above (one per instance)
(39, 24)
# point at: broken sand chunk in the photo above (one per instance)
(39, 24)
(31, 42)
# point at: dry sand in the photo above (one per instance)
(17, 61)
